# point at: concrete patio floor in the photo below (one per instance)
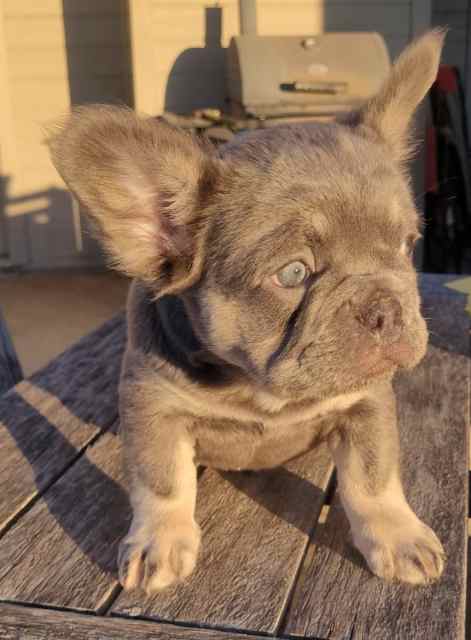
(47, 312)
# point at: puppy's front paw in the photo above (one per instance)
(400, 547)
(156, 557)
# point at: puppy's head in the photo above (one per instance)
(291, 248)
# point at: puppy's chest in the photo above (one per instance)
(229, 444)
(258, 440)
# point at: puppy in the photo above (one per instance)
(274, 297)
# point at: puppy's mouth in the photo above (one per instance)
(384, 358)
(401, 354)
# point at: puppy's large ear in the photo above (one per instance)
(144, 183)
(390, 112)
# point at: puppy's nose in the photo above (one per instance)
(381, 314)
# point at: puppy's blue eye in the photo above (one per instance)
(291, 275)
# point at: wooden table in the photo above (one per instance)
(276, 558)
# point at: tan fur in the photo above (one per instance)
(163, 530)
(389, 113)
(223, 366)
(394, 542)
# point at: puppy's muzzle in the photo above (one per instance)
(382, 338)
(381, 316)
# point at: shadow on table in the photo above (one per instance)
(298, 493)
(281, 492)
(83, 498)
(82, 385)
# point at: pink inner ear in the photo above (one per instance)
(154, 228)
(173, 239)
(162, 237)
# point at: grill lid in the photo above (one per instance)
(271, 75)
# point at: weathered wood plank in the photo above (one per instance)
(255, 530)
(246, 572)
(62, 552)
(26, 623)
(46, 421)
(335, 595)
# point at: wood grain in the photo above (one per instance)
(255, 528)
(45, 422)
(336, 596)
(28, 623)
(62, 552)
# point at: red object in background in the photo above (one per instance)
(446, 79)
(447, 232)
(446, 82)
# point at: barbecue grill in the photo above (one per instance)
(301, 77)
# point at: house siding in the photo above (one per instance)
(57, 53)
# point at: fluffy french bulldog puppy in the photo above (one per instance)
(274, 297)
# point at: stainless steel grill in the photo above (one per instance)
(273, 77)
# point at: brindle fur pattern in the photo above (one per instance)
(225, 368)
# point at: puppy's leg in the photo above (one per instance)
(395, 543)
(163, 541)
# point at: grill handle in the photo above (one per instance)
(326, 88)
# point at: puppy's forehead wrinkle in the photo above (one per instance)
(301, 187)
(330, 146)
